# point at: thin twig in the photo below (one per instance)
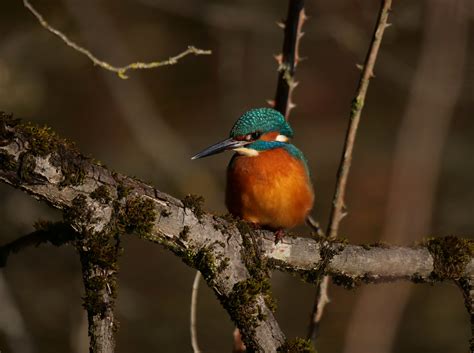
(194, 295)
(119, 70)
(338, 208)
(416, 166)
(467, 287)
(288, 60)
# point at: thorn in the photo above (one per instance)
(294, 84)
(271, 103)
(303, 15)
(279, 59)
(372, 75)
(281, 24)
(300, 35)
(388, 25)
(291, 105)
(360, 66)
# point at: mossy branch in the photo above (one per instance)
(233, 258)
(121, 71)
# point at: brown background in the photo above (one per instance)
(419, 107)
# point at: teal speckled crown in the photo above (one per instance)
(263, 120)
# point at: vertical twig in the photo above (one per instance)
(288, 60)
(194, 294)
(467, 287)
(416, 166)
(337, 210)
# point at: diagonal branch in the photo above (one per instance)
(233, 257)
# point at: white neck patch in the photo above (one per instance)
(281, 138)
(246, 151)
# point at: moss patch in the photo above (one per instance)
(297, 345)
(26, 172)
(194, 203)
(123, 190)
(41, 142)
(136, 216)
(450, 256)
(202, 260)
(101, 194)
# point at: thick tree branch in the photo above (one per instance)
(232, 257)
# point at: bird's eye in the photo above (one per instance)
(253, 136)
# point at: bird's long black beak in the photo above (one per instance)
(219, 147)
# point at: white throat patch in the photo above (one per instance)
(246, 151)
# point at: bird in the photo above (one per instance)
(268, 179)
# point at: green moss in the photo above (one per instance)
(72, 167)
(137, 216)
(7, 161)
(450, 256)
(202, 260)
(123, 191)
(41, 142)
(101, 194)
(26, 172)
(356, 106)
(223, 265)
(297, 345)
(241, 304)
(194, 203)
(77, 211)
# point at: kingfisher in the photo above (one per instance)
(268, 180)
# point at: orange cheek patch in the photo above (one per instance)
(270, 136)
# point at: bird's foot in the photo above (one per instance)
(279, 234)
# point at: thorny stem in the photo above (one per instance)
(119, 70)
(289, 58)
(338, 206)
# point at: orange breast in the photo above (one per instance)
(272, 189)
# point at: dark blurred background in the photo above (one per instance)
(411, 176)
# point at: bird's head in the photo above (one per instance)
(261, 124)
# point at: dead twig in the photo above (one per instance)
(119, 70)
